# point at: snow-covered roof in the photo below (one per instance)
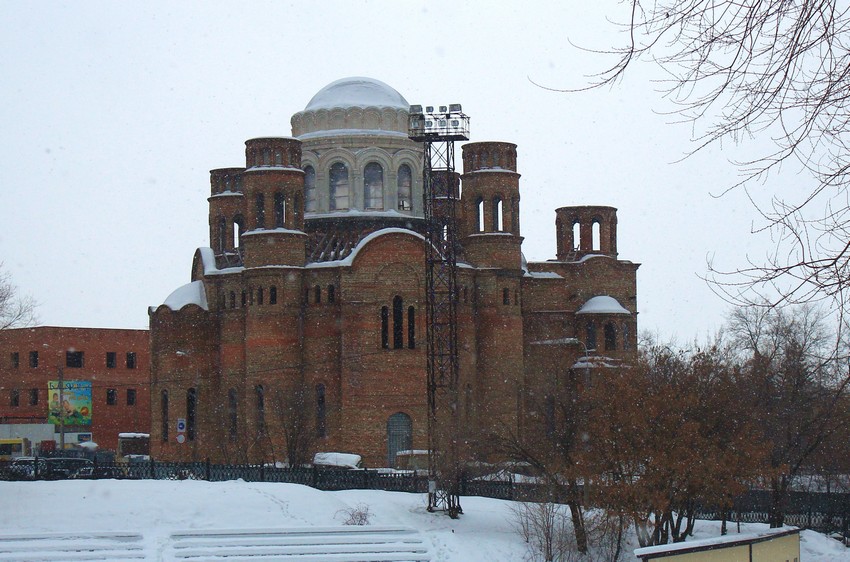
(130, 435)
(357, 91)
(190, 293)
(602, 304)
(727, 540)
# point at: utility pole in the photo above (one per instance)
(61, 408)
(438, 130)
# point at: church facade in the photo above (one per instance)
(302, 328)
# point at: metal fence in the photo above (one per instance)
(825, 512)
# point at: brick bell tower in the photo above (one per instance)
(490, 201)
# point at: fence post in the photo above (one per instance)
(262, 472)
(153, 469)
(315, 476)
(207, 469)
(35, 468)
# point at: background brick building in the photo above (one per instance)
(304, 320)
(115, 362)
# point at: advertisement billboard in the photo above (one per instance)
(75, 407)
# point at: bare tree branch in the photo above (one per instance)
(16, 311)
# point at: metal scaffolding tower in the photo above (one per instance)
(438, 130)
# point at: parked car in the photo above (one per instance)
(23, 468)
(100, 473)
(57, 468)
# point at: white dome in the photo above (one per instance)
(357, 91)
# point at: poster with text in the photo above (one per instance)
(75, 405)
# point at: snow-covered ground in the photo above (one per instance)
(158, 509)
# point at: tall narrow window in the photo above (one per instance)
(399, 436)
(131, 396)
(238, 229)
(385, 322)
(338, 176)
(33, 397)
(373, 186)
(627, 336)
(596, 236)
(191, 413)
(111, 396)
(479, 213)
(131, 359)
(317, 294)
(232, 299)
(111, 359)
(33, 359)
(576, 236)
(261, 409)
(233, 412)
(14, 359)
(260, 296)
(261, 210)
(506, 296)
(321, 413)
(398, 323)
(279, 210)
(411, 327)
(310, 189)
(497, 215)
(163, 404)
(610, 337)
(590, 335)
(14, 398)
(331, 294)
(405, 188)
(272, 295)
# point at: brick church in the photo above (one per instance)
(303, 325)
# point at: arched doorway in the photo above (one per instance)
(399, 435)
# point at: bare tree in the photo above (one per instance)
(16, 311)
(772, 68)
(296, 421)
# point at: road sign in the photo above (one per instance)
(181, 425)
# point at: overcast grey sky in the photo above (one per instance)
(113, 114)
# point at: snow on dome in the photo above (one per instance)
(602, 304)
(357, 92)
(191, 293)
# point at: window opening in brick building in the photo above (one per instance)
(321, 427)
(398, 322)
(610, 337)
(232, 299)
(222, 234)
(310, 188)
(131, 396)
(331, 294)
(238, 229)
(498, 225)
(479, 214)
(506, 296)
(385, 323)
(576, 236)
(278, 158)
(373, 186)
(14, 359)
(111, 359)
(163, 403)
(317, 294)
(399, 436)
(111, 396)
(596, 235)
(338, 176)
(33, 397)
(131, 359)
(260, 203)
(260, 296)
(233, 412)
(590, 335)
(272, 295)
(627, 336)
(261, 409)
(411, 327)
(14, 398)
(405, 184)
(191, 413)
(74, 359)
(279, 210)
(33, 359)
(244, 299)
